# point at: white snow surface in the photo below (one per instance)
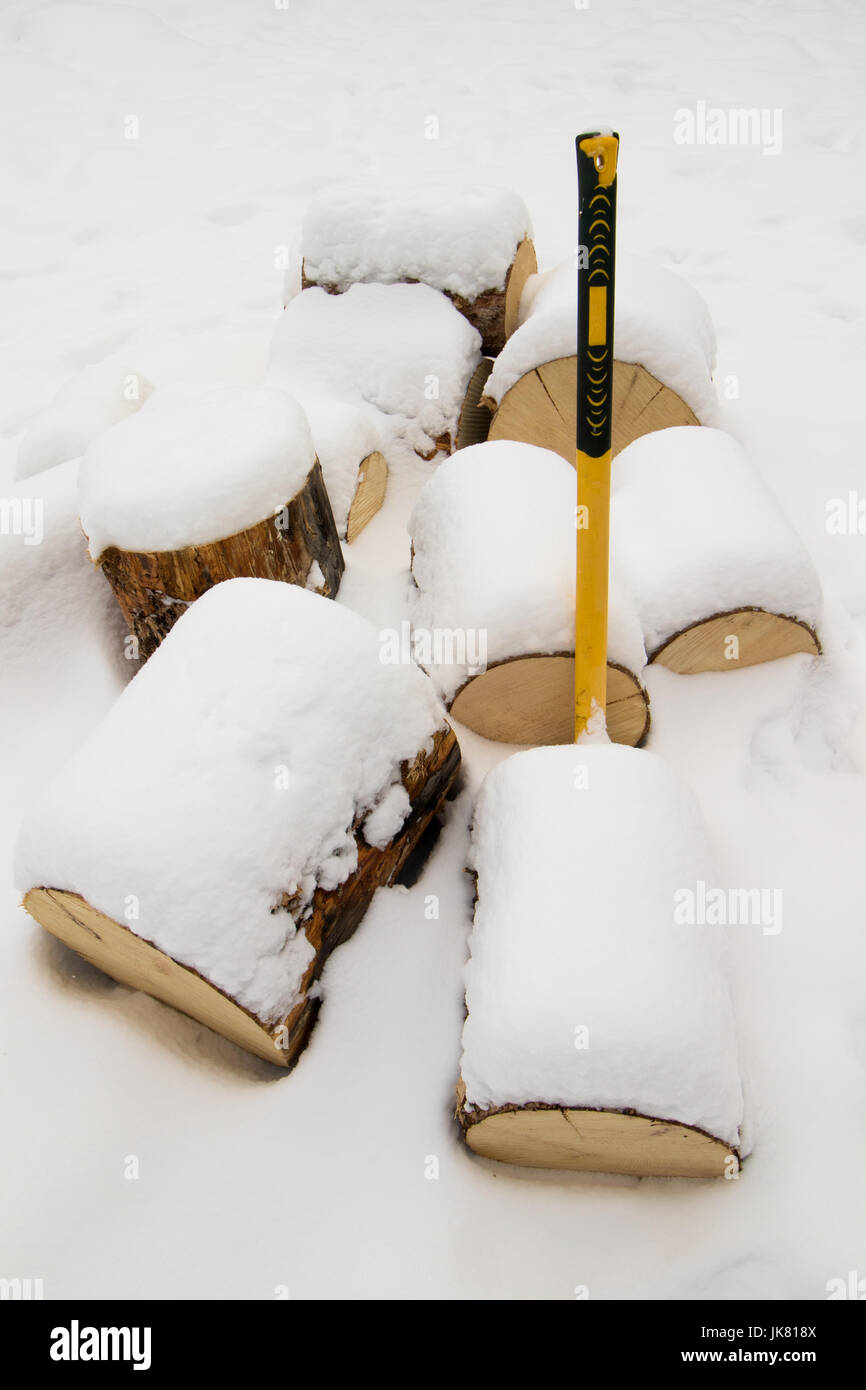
(401, 348)
(195, 464)
(241, 756)
(696, 531)
(160, 250)
(92, 401)
(661, 321)
(459, 237)
(494, 541)
(343, 435)
(563, 939)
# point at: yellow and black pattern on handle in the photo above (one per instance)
(596, 177)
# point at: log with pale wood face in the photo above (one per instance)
(266, 773)
(541, 407)
(132, 960)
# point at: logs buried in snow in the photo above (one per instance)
(493, 538)
(471, 242)
(227, 824)
(403, 349)
(665, 353)
(203, 485)
(599, 1032)
(719, 576)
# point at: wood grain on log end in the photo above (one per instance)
(741, 637)
(595, 1141)
(369, 494)
(530, 700)
(541, 408)
(154, 588)
(335, 916)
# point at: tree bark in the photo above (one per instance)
(334, 917)
(154, 588)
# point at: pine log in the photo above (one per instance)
(594, 1141)
(335, 916)
(154, 588)
(760, 636)
(530, 700)
(369, 494)
(493, 312)
(541, 407)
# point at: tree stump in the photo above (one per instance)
(153, 588)
(134, 961)
(541, 408)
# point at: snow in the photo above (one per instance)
(343, 435)
(494, 539)
(232, 770)
(696, 531)
(162, 250)
(401, 348)
(661, 321)
(564, 940)
(90, 402)
(456, 236)
(195, 464)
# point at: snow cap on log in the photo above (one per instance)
(195, 464)
(662, 323)
(344, 435)
(695, 531)
(226, 781)
(460, 238)
(493, 537)
(563, 939)
(401, 348)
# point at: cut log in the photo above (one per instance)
(727, 641)
(541, 407)
(474, 424)
(494, 313)
(721, 580)
(599, 1032)
(398, 356)
(379, 234)
(595, 1141)
(369, 494)
(530, 700)
(493, 560)
(153, 588)
(132, 960)
(264, 775)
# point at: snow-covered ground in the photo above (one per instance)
(157, 160)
